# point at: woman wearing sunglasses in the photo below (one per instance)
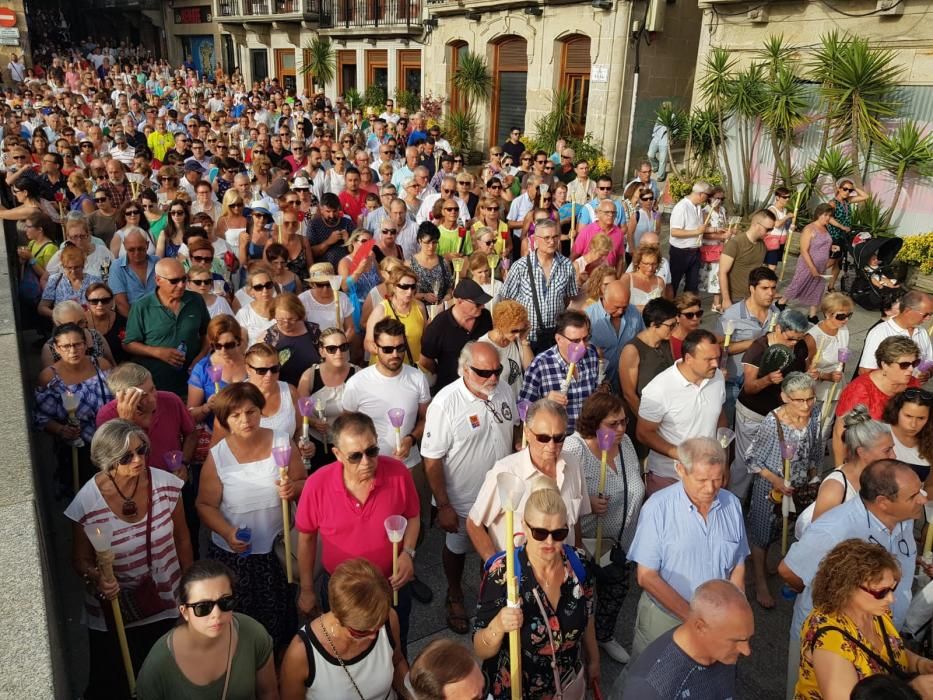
(169, 188)
(489, 215)
(908, 414)
(897, 358)
(850, 634)
(648, 353)
(171, 243)
(555, 588)
(256, 316)
(828, 337)
(256, 237)
(796, 422)
(689, 317)
(617, 504)
(213, 652)
(324, 382)
(839, 224)
(352, 651)
(129, 217)
(224, 337)
(231, 223)
(103, 319)
(201, 280)
(401, 304)
(294, 339)
(150, 545)
(240, 502)
(152, 212)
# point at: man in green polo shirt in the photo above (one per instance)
(167, 328)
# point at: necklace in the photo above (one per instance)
(129, 508)
(333, 648)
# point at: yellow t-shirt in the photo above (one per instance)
(414, 323)
(833, 641)
(499, 247)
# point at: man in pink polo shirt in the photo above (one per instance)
(345, 504)
(605, 223)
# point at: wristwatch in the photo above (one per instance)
(410, 551)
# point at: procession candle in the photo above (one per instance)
(458, 266)
(772, 323)
(523, 407)
(730, 328)
(790, 234)
(174, 460)
(788, 450)
(511, 490)
(335, 281)
(604, 439)
(395, 529)
(842, 357)
(493, 260)
(70, 404)
(215, 372)
(396, 418)
(725, 436)
(819, 352)
(575, 353)
(282, 454)
(306, 408)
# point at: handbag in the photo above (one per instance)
(144, 600)
(803, 495)
(710, 253)
(575, 688)
(545, 337)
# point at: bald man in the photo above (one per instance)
(696, 659)
(613, 323)
(133, 274)
(167, 329)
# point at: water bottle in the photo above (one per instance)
(183, 348)
(245, 534)
(788, 593)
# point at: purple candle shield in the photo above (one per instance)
(575, 352)
(306, 406)
(215, 372)
(843, 355)
(282, 454)
(788, 449)
(396, 417)
(605, 437)
(173, 460)
(523, 407)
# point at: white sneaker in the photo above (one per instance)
(615, 650)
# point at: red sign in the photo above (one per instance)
(199, 14)
(7, 17)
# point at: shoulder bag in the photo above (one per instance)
(803, 495)
(575, 688)
(545, 337)
(890, 667)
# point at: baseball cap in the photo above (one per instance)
(471, 291)
(193, 166)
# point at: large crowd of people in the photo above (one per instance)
(283, 338)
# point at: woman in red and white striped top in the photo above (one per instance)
(150, 545)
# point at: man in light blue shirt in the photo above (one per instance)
(613, 324)
(587, 213)
(687, 534)
(132, 276)
(891, 498)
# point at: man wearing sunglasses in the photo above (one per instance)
(589, 212)
(545, 430)
(468, 428)
(132, 276)
(891, 498)
(741, 254)
(444, 338)
(345, 505)
(911, 322)
(688, 533)
(167, 329)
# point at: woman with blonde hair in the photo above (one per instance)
(401, 304)
(256, 317)
(82, 202)
(555, 589)
(595, 286)
(354, 649)
(826, 339)
(689, 317)
(378, 293)
(231, 222)
(643, 282)
(477, 269)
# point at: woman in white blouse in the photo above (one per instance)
(908, 414)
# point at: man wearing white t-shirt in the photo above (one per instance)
(468, 429)
(916, 310)
(388, 385)
(684, 401)
(687, 229)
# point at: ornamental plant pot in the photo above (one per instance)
(920, 281)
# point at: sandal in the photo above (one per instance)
(457, 619)
(716, 309)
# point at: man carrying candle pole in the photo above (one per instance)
(345, 504)
(469, 428)
(889, 501)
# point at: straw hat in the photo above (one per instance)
(320, 272)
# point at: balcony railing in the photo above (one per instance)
(336, 14)
(267, 9)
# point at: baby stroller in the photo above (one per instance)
(875, 272)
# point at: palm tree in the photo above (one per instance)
(821, 70)
(783, 111)
(862, 95)
(715, 88)
(558, 122)
(746, 96)
(905, 152)
(473, 79)
(321, 62)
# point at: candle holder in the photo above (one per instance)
(575, 353)
(458, 266)
(335, 282)
(101, 536)
(511, 490)
(725, 436)
(492, 260)
(605, 438)
(788, 452)
(730, 329)
(790, 236)
(395, 529)
(174, 460)
(70, 404)
(215, 373)
(306, 409)
(522, 407)
(282, 454)
(396, 418)
(842, 357)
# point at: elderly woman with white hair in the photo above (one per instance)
(70, 311)
(150, 544)
(97, 257)
(795, 423)
(769, 359)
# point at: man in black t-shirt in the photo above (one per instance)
(444, 338)
(328, 231)
(697, 659)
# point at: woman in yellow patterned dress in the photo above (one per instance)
(850, 634)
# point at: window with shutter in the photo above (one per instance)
(511, 88)
(575, 78)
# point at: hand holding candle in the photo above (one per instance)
(605, 438)
(575, 353)
(306, 409)
(100, 536)
(215, 372)
(511, 491)
(396, 418)
(174, 460)
(282, 454)
(395, 528)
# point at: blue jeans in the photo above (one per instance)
(403, 609)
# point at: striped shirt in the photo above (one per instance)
(129, 544)
(552, 292)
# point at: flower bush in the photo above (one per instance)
(680, 188)
(918, 250)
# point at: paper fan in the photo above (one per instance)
(776, 358)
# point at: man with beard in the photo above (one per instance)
(328, 230)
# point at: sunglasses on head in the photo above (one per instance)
(203, 608)
(879, 594)
(545, 439)
(540, 534)
(263, 285)
(370, 452)
(263, 371)
(127, 457)
(692, 314)
(487, 373)
(919, 395)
